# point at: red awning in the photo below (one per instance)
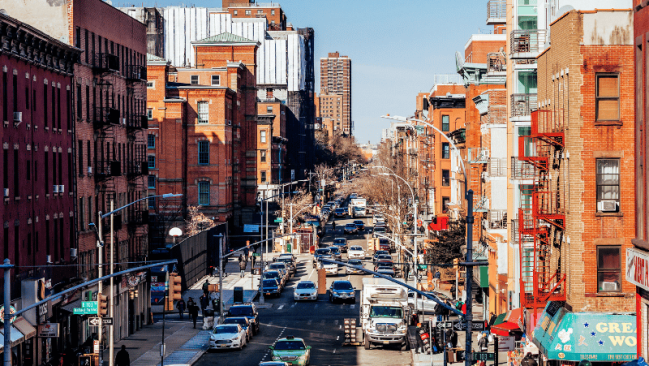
(503, 329)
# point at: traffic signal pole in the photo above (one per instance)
(100, 286)
(468, 278)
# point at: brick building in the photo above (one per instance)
(272, 139)
(38, 171)
(109, 109)
(336, 79)
(204, 124)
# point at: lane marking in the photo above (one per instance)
(340, 326)
(280, 307)
(337, 338)
(334, 350)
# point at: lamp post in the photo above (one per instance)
(468, 195)
(173, 232)
(111, 333)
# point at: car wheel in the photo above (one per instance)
(366, 343)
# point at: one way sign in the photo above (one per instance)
(474, 326)
(444, 325)
(99, 321)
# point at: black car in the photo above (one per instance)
(320, 252)
(270, 286)
(247, 310)
(360, 225)
(340, 212)
(341, 243)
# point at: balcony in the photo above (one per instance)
(136, 169)
(526, 44)
(522, 170)
(497, 219)
(105, 62)
(481, 204)
(137, 122)
(523, 104)
(496, 64)
(106, 117)
(458, 136)
(107, 169)
(477, 155)
(496, 12)
(135, 73)
(497, 167)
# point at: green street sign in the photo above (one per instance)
(87, 307)
(279, 220)
(405, 223)
(256, 254)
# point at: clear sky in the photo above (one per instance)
(396, 46)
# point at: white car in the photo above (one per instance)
(425, 304)
(305, 290)
(228, 336)
(356, 252)
(357, 263)
(330, 268)
(377, 218)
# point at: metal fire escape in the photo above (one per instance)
(541, 216)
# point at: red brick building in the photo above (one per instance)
(37, 162)
(204, 129)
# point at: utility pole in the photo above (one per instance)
(7, 315)
(220, 236)
(111, 328)
(100, 261)
(468, 278)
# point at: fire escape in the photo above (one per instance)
(541, 218)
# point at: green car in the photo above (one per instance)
(291, 350)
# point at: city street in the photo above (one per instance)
(319, 323)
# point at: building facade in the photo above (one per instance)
(336, 79)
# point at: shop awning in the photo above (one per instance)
(503, 329)
(70, 307)
(24, 327)
(15, 336)
(598, 337)
(500, 319)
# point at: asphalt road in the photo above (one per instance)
(319, 322)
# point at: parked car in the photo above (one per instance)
(342, 290)
(289, 260)
(275, 275)
(280, 266)
(243, 322)
(356, 252)
(341, 243)
(249, 311)
(228, 336)
(350, 229)
(360, 225)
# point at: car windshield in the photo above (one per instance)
(241, 310)
(322, 251)
(355, 262)
(289, 346)
(359, 222)
(379, 252)
(356, 248)
(270, 283)
(278, 266)
(224, 329)
(343, 286)
(302, 285)
(241, 321)
(335, 250)
(386, 312)
(271, 274)
(340, 210)
(385, 256)
(340, 241)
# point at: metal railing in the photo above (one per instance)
(523, 104)
(477, 155)
(497, 167)
(497, 219)
(521, 169)
(481, 204)
(496, 11)
(514, 231)
(496, 63)
(527, 43)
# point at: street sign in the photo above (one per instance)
(95, 321)
(279, 219)
(256, 254)
(484, 356)
(107, 321)
(100, 321)
(444, 325)
(87, 307)
(474, 326)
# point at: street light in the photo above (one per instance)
(468, 195)
(112, 212)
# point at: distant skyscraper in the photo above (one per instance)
(336, 79)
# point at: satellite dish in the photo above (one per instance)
(459, 61)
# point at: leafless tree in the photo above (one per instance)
(197, 221)
(299, 203)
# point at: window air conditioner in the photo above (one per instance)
(55, 188)
(609, 286)
(607, 206)
(61, 188)
(49, 259)
(18, 117)
(89, 170)
(6, 192)
(73, 253)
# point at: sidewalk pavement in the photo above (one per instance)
(184, 344)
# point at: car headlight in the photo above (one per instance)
(276, 358)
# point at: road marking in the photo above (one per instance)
(352, 306)
(338, 338)
(280, 307)
(340, 326)
(334, 350)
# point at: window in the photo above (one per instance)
(269, 109)
(203, 113)
(203, 193)
(203, 152)
(609, 272)
(262, 137)
(79, 104)
(446, 178)
(150, 141)
(263, 177)
(149, 113)
(446, 125)
(216, 80)
(151, 181)
(248, 12)
(150, 84)
(260, 11)
(446, 150)
(236, 12)
(608, 185)
(194, 79)
(151, 161)
(272, 12)
(263, 156)
(151, 202)
(608, 97)
(445, 202)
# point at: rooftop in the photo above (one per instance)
(225, 37)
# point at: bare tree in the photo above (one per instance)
(299, 203)
(197, 221)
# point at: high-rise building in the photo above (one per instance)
(336, 79)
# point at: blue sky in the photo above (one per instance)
(396, 46)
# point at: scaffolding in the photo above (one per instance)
(541, 214)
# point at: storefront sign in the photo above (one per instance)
(637, 268)
(12, 310)
(42, 309)
(506, 343)
(48, 330)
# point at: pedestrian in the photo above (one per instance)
(122, 358)
(436, 278)
(253, 260)
(246, 252)
(205, 301)
(406, 270)
(193, 311)
(449, 339)
(482, 342)
(528, 360)
(190, 303)
(241, 258)
(206, 287)
(242, 267)
(453, 290)
(180, 305)
(333, 225)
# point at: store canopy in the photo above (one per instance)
(503, 329)
(500, 319)
(70, 306)
(597, 337)
(24, 327)
(16, 337)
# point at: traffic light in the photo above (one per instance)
(456, 261)
(102, 305)
(175, 288)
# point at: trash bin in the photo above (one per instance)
(238, 295)
(209, 312)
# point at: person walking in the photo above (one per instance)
(206, 287)
(180, 305)
(122, 358)
(333, 225)
(242, 267)
(436, 277)
(205, 301)
(193, 311)
(406, 270)
(482, 342)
